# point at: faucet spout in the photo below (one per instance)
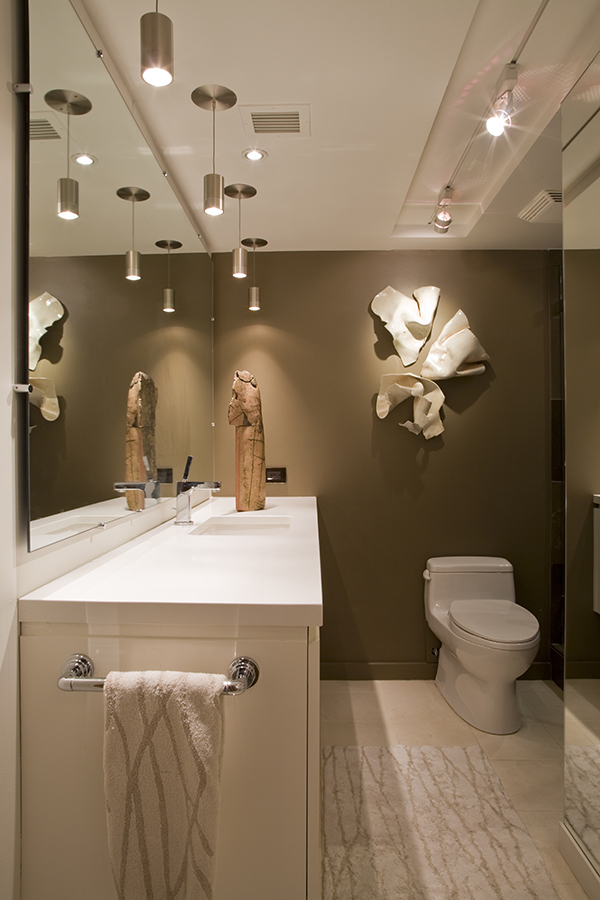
(183, 501)
(150, 489)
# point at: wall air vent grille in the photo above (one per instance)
(281, 119)
(540, 204)
(42, 130)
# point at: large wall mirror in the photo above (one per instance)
(109, 328)
(581, 188)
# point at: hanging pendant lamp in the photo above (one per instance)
(156, 43)
(169, 293)
(254, 291)
(72, 104)
(240, 255)
(215, 98)
(132, 257)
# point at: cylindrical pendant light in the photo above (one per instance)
(72, 104)
(169, 293)
(156, 41)
(254, 291)
(215, 98)
(132, 257)
(240, 255)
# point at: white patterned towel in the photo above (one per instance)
(162, 769)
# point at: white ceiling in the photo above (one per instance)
(396, 91)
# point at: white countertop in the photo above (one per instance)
(173, 575)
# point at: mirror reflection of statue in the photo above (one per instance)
(245, 413)
(140, 440)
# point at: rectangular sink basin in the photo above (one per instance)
(244, 525)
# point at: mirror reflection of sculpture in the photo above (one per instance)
(455, 353)
(44, 311)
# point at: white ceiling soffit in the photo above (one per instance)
(560, 46)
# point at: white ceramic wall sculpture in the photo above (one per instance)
(428, 400)
(44, 397)
(456, 352)
(408, 320)
(43, 312)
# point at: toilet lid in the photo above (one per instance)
(496, 620)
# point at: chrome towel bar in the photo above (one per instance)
(78, 670)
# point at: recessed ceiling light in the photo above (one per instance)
(84, 159)
(254, 154)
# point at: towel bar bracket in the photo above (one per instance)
(78, 670)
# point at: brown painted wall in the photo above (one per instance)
(389, 499)
(114, 328)
(582, 427)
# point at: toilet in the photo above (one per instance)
(488, 640)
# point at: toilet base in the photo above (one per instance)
(488, 706)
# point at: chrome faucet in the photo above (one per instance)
(150, 489)
(185, 489)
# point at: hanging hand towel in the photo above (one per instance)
(162, 768)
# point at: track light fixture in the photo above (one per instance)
(442, 218)
(156, 42)
(503, 104)
(72, 104)
(240, 255)
(213, 97)
(169, 293)
(132, 257)
(254, 291)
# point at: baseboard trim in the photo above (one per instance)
(404, 671)
(376, 671)
(578, 862)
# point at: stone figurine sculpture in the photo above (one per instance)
(456, 352)
(140, 439)
(408, 320)
(245, 414)
(43, 395)
(428, 400)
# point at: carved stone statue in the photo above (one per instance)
(140, 440)
(246, 414)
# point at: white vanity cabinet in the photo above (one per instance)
(269, 826)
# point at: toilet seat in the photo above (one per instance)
(500, 621)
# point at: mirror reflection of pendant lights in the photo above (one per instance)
(72, 104)
(169, 293)
(254, 291)
(132, 257)
(156, 42)
(215, 98)
(240, 255)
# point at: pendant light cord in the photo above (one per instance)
(254, 267)
(68, 140)
(132, 225)
(240, 223)
(168, 267)
(214, 110)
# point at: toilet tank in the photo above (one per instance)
(449, 578)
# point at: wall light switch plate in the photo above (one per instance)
(276, 475)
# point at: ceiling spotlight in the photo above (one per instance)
(156, 40)
(213, 97)
(254, 292)
(73, 104)
(132, 257)
(84, 159)
(254, 154)
(500, 119)
(503, 105)
(442, 218)
(169, 293)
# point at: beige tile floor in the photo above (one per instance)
(529, 763)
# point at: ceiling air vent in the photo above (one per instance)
(544, 202)
(281, 119)
(42, 130)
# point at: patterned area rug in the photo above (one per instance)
(424, 823)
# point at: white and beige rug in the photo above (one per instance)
(423, 823)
